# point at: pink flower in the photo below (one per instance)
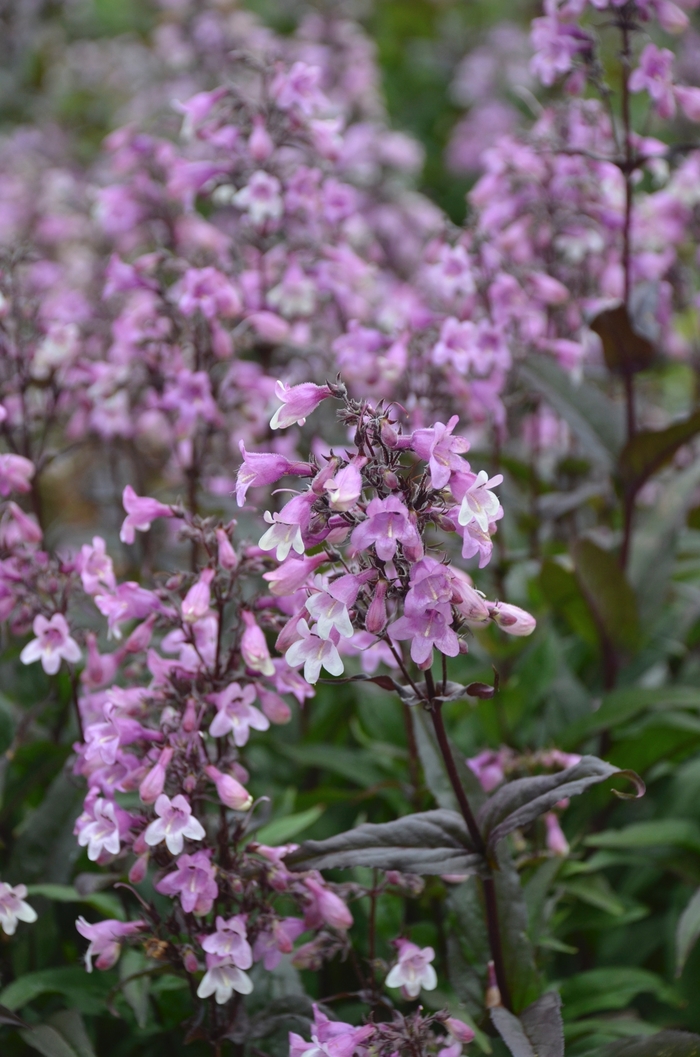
(413, 970)
(222, 978)
(209, 291)
(15, 474)
(195, 604)
(13, 907)
(197, 109)
(275, 708)
(654, 76)
(293, 574)
(431, 584)
(228, 559)
(330, 1038)
(325, 907)
(236, 713)
(261, 198)
(52, 643)
(229, 789)
(512, 619)
(261, 468)
(488, 768)
(194, 882)
(298, 88)
(287, 528)
(479, 504)
(329, 613)
(459, 1031)
(98, 829)
(555, 45)
(689, 100)
(96, 569)
(388, 523)
(346, 487)
(277, 940)
(254, 647)
(298, 401)
(175, 822)
(129, 602)
(152, 785)
(556, 841)
(426, 629)
(105, 940)
(230, 942)
(141, 511)
(441, 451)
(314, 653)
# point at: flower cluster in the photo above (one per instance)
(378, 519)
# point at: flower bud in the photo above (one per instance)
(139, 847)
(196, 602)
(556, 841)
(189, 960)
(492, 998)
(138, 871)
(274, 707)
(140, 637)
(254, 647)
(289, 634)
(152, 785)
(459, 1030)
(228, 559)
(230, 792)
(512, 619)
(260, 143)
(189, 719)
(376, 618)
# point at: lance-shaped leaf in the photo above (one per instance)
(687, 932)
(647, 452)
(594, 418)
(537, 1032)
(608, 594)
(433, 842)
(663, 1044)
(518, 803)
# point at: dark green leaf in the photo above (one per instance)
(648, 451)
(518, 951)
(434, 842)
(87, 993)
(625, 349)
(69, 1024)
(687, 932)
(679, 832)
(610, 988)
(619, 706)
(283, 830)
(8, 1017)
(48, 1041)
(594, 419)
(663, 1044)
(608, 594)
(538, 1032)
(520, 802)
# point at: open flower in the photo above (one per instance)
(141, 511)
(314, 653)
(222, 978)
(413, 970)
(105, 940)
(174, 824)
(13, 907)
(236, 714)
(298, 401)
(53, 642)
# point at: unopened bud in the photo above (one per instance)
(228, 559)
(459, 1030)
(189, 719)
(152, 785)
(492, 998)
(376, 618)
(189, 960)
(230, 792)
(138, 871)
